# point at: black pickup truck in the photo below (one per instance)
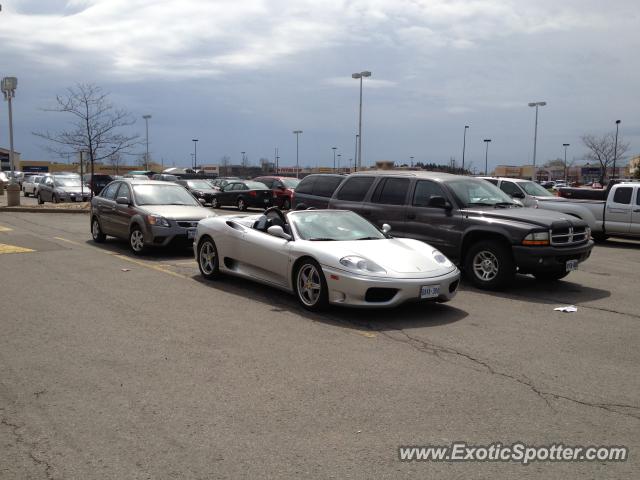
(471, 221)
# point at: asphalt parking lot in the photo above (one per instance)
(115, 366)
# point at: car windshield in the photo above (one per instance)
(256, 185)
(67, 182)
(163, 195)
(290, 182)
(472, 192)
(534, 189)
(328, 225)
(198, 184)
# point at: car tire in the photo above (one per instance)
(489, 265)
(136, 241)
(24, 192)
(310, 285)
(96, 231)
(550, 276)
(54, 199)
(208, 260)
(215, 203)
(242, 205)
(286, 205)
(40, 201)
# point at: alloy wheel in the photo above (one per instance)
(137, 240)
(485, 265)
(309, 285)
(207, 257)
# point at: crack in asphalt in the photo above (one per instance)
(32, 446)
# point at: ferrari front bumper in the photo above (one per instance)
(362, 291)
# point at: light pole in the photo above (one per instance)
(360, 76)
(297, 134)
(615, 151)
(339, 156)
(355, 161)
(334, 157)
(535, 134)
(195, 152)
(146, 158)
(486, 155)
(565, 145)
(9, 85)
(464, 145)
(411, 161)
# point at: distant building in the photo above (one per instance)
(5, 161)
(587, 173)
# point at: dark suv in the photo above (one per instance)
(316, 190)
(469, 220)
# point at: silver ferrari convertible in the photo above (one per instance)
(325, 257)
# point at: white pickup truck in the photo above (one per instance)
(618, 216)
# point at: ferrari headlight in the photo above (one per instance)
(157, 220)
(439, 257)
(361, 264)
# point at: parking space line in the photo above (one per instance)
(151, 266)
(68, 241)
(4, 248)
(5, 229)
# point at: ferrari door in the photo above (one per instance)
(265, 257)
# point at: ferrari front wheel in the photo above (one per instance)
(311, 286)
(208, 258)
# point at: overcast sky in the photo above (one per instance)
(240, 75)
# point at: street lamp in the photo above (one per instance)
(535, 134)
(565, 145)
(297, 134)
(355, 164)
(339, 155)
(615, 151)
(334, 157)
(360, 76)
(195, 152)
(411, 163)
(146, 158)
(9, 85)
(486, 155)
(464, 145)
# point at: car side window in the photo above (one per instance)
(509, 188)
(110, 192)
(306, 185)
(268, 182)
(638, 197)
(623, 195)
(324, 186)
(355, 189)
(425, 189)
(124, 192)
(391, 191)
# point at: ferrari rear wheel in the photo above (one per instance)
(208, 258)
(311, 286)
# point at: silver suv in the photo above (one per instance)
(146, 213)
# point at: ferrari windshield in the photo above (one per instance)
(154, 194)
(532, 188)
(473, 192)
(328, 225)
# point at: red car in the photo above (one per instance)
(282, 187)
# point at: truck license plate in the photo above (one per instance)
(429, 291)
(571, 265)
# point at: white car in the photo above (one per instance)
(325, 257)
(29, 184)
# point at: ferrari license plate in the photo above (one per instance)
(191, 233)
(571, 265)
(429, 291)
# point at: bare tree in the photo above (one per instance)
(95, 126)
(224, 163)
(602, 149)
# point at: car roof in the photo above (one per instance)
(408, 173)
(511, 179)
(140, 181)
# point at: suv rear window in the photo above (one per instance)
(355, 189)
(391, 191)
(325, 186)
(306, 184)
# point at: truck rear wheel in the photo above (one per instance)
(489, 265)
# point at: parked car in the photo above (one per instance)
(146, 213)
(282, 187)
(62, 188)
(100, 180)
(469, 220)
(316, 190)
(244, 194)
(325, 257)
(525, 191)
(618, 215)
(201, 189)
(29, 184)
(164, 177)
